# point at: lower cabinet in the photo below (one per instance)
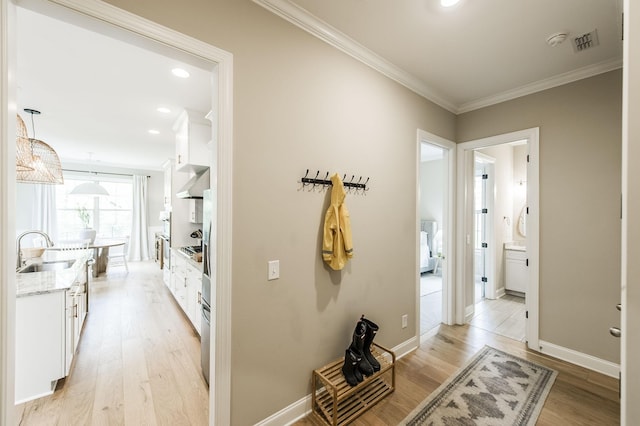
(186, 286)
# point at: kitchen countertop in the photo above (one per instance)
(32, 283)
(197, 265)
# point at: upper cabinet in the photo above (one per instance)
(193, 132)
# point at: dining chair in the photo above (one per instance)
(73, 244)
(119, 254)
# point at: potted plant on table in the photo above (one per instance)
(86, 233)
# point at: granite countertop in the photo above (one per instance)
(32, 283)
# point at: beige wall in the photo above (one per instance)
(580, 149)
(298, 104)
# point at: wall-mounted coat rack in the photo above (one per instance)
(325, 182)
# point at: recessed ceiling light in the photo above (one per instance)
(163, 110)
(179, 72)
(448, 3)
(154, 132)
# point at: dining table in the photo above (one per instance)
(100, 249)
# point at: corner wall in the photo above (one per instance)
(300, 103)
(580, 167)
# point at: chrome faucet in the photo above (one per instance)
(19, 239)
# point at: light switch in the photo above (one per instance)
(274, 270)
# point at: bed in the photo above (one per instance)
(428, 229)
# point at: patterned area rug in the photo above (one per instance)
(493, 388)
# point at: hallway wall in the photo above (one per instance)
(580, 170)
(300, 103)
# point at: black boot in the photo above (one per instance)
(357, 346)
(350, 367)
(372, 329)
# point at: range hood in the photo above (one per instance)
(195, 186)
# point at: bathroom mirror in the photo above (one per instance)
(522, 222)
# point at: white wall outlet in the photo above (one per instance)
(274, 270)
(405, 320)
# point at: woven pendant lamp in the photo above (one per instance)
(45, 162)
(23, 147)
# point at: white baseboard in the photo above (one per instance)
(429, 334)
(607, 368)
(302, 407)
(468, 313)
(500, 293)
(289, 414)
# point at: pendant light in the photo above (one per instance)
(43, 162)
(23, 147)
(89, 188)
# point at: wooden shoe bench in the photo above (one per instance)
(336, 403)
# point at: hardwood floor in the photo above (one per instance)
(138, 361)
(578, 396)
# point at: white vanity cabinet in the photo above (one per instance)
(516, 273)
(193, 132)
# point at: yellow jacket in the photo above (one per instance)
(337, 245)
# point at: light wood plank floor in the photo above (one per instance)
(578, 397)
(138, 361)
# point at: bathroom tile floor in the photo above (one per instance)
(504, 316)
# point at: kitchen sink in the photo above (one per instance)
(47, 266)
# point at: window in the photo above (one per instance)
(109, 215)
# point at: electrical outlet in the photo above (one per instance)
(405, 320)
(274, 270)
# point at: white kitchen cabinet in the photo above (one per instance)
(40, 344)
(193, 132)
(516, 274)
(186, 287)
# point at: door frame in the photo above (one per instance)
(464, 151)
(448, 219)
(220, 162)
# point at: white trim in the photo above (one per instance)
(7, 216)
(532, 136)
(500, 293)
(468, 312)
(429, 334)
(607, 368)
(289, 414)
(220, 392)
(325, 32)
(406, 347)
(490, 255)
(448, 219)
(539, 86)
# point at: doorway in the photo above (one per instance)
(497, 192)
(127, 26)
(434, 234)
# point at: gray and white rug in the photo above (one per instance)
(494, 388)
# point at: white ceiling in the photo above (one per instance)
(98, 95)
(474, 54)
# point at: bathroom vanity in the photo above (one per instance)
(516, 273)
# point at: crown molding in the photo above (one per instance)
(320, 29)
(547, 83)
(325, 32)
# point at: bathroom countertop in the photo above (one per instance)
(515, 246)
(32, 283)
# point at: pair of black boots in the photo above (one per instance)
(358, 360)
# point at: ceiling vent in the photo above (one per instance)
(585, 41)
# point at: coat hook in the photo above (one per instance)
(352, 176)
(305, 175)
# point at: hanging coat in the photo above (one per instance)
(337, 245)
